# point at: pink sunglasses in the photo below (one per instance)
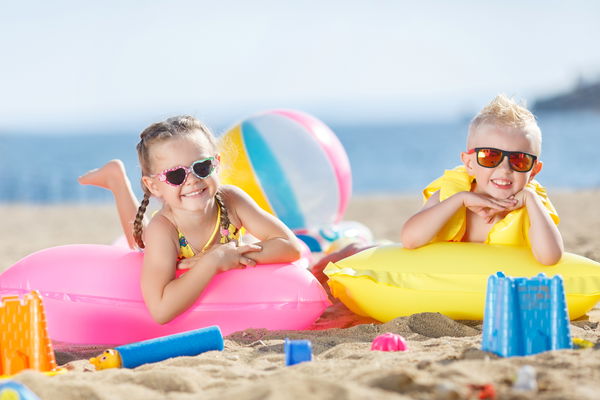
(176, 176)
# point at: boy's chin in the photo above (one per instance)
(501, 194)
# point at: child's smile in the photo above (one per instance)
(500, 181)
(197, 193)
(503, 184)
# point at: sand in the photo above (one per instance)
(443, 362)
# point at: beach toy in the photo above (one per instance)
(389, 342)
(291, 164)
(525, 316)
(526, 379)
(189, 343)
(297, 351)
(92, 295)
(579, 343)
(448, 277)
(483, 392)
(11, 390)
(24, 342)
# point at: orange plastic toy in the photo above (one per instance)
(24, 341)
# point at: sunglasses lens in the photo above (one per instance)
(203, 169)
(176, 177)
(489, 157)
(521, 162)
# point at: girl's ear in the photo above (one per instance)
(536, 169)
(468, 162)
(217, 164)
(151, 185)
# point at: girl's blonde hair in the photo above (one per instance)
(173, 127)
(505, 111)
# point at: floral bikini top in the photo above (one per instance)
(227, 235)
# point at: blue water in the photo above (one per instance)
(392, 158)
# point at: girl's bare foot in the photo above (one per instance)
(108, 176)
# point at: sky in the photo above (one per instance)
(83, 65)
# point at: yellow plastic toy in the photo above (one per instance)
(24, 341)
(108, 359)
(449, 278)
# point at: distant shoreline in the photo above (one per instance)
(584, 96)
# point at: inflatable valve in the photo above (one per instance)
(188, 343)
(297, 351)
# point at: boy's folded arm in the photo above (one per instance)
(422, 227)
(544, 236)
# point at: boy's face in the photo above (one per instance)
(502, 181)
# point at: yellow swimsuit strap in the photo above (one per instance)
(215, 230)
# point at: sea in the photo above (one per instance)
(390, 158)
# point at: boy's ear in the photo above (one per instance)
(468, 162)
(536, 169)
(151, 185)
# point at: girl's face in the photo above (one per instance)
(502, 181)
(194, 194)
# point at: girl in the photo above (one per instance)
(200, 222)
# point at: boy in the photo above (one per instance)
(493, 197)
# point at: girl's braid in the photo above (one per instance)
(224, 216)
(138, 226)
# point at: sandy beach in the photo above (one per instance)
(443, 362)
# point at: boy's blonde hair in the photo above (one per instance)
(504, 111)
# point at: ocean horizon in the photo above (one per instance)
(390, 158)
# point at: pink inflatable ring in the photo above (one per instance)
(92, 295)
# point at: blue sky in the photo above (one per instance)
(72, 64)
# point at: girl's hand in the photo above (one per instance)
(231, 256)
(486, 206)
(188, 263)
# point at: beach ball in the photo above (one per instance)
(291, 164)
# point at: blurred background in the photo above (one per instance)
(397, 81)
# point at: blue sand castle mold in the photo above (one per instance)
(297, 351)
(525, 316)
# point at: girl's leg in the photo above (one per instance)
(112, 176)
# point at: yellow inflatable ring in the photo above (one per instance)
(449, 278)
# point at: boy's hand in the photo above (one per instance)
(521, 198)
(486, 206)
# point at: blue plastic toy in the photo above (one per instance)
(297, 351)
(525, 316)
(189, 343)
(11, 390)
